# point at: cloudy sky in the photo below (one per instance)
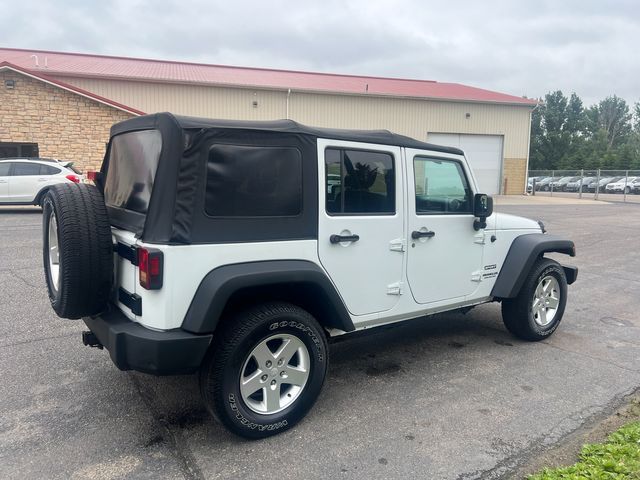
(526, 47)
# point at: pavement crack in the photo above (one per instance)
(597, 359)
(20, 277)
(39, 339)
(589, 416)
(186, 461)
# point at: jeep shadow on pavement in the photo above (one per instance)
(237, 249)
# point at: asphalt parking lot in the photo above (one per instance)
(451, 397)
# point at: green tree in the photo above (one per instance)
(565, 135)
(556, 131)
(611, 115)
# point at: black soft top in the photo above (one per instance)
(383, 137)
(176, 212)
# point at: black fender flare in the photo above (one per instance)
(220, 284)
(523, 253)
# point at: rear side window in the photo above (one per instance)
(359, 182)
(253, 181)
(133, 161)
(4, 169)
(21, 169)
(47, 170)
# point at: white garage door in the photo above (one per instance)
(484, 153)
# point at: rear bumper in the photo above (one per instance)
(134, 347)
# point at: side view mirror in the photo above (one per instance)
(482, 208)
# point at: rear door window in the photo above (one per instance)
(359, 182)
(22, 169)
(4, 169)
(133, 161)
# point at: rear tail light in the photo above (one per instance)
(92, 176)
(73, 178)
(150, 263)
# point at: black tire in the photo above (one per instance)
(85, 249)
(223, 367)
(517, 312)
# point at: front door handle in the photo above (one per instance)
(417, 234)
(343, 238)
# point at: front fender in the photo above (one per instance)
(523, 253)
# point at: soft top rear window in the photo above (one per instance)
(133, 161)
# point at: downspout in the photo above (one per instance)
(288, 96)
(526, 171)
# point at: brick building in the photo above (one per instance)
(61, 105)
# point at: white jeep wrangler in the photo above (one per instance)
(238, 249)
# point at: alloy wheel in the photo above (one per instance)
(54, 252)
(546, 300)
(274, 374)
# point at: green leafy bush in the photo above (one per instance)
(616, 459)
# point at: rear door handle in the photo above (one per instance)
(417, 234)
(343, 238)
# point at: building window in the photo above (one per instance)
(10, 150)
(359, 182)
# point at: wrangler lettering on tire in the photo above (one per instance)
(266, 370)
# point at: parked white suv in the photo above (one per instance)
(25, 181)
(239, 249)
(624, 185)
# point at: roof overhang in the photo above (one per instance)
(6, 66)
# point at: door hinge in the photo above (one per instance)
(397, 245)
(395, 288)
(127, 252)
(476, 276)
(131, 300)
(479, 238)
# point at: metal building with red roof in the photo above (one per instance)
(492, 127)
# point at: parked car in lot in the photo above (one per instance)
(601, 184)
(561, 184)
(623, 185)
(225, 248)
(25, 181)
(578, 184)
(544, 184)
(531, 181)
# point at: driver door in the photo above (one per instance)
(445, 252)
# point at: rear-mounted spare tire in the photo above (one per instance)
(77, 250)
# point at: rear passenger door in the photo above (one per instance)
(24, 182)
(361, 221)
